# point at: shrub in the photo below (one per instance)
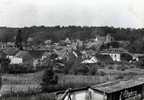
(92, 70)
(49, 80)
(120, 77)
(111, 67)
(122, 68)
(102, 73)
(16, 68)
(82, 69)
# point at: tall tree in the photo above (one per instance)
(18, 41)
(4, 62)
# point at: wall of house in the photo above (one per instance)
(15, 60)
(134, 93)
(115, 56)
(85, 95)
(97, 96)
(78, 95)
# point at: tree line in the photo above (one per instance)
(57, 33)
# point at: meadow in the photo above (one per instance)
(28, 86)
(43, 96)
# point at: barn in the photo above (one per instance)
(132, 89)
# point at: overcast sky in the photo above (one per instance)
(117, 13)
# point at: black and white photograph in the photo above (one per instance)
(71, 49)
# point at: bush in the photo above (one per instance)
(92, 70)
(121, 68)
(111, 67)
(102, 73)
(16, 68)
(120, 77)
(49, 80)
(82, 69)
(4, 64)
(101, 64)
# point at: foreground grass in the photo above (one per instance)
(13, 84)
(43, 96)
(30, 78)
(30, 83)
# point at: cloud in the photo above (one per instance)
(119, 13)
(137, 9)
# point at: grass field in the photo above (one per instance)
(44, 96)
(28, 83)
(31, 78)
(31, 83)
(21, 83)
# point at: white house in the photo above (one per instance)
(114, 53)
(115, 56)
(90, 61)
(15, 60)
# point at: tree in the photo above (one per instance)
(83, 69)
(4, 63)
(6, 34)
(92, 69)
(18, 41)
(49, 78)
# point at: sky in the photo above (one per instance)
(117, 13)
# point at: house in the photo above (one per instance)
(30, 57)
(11, 51)
(25, 56)
(90, 61)
(132, 89)
(88, 54)
(115, 53)
(79, 43)
(126, 56)
(108, 38)
(3, 45)
(74, 94)
(124, 43)
(104, 58)
(91, 56)
(30, 39)
(63, 53)
(10, 44)
(36, 63)
(103, 39)
(15, 60)
(48, 42)
(138, 57)
(45, 55)
(99, 39)
(95, 43)
(67, 41)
